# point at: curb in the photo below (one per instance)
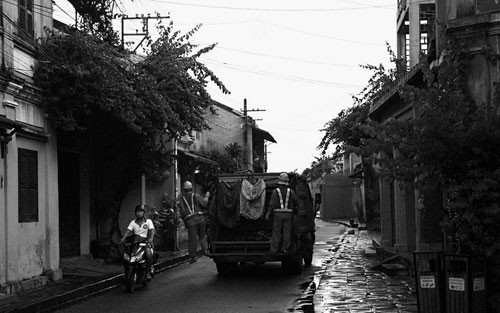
(86, 292)
(306, 302)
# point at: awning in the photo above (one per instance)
(198, 157)
(263, 134)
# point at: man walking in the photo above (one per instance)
(283, 206)
(189, 209)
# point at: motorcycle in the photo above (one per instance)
(134, 262)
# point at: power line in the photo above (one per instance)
(266, 9)
(63, 10)
(366, 5)
(278, 75)
(322, 36)
(42, 10)
(286, 58)
(26, 35)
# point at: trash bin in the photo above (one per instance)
(429, 281)
(465, 289)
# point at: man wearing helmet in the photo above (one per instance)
(283, 205)
(189, 209)
(144, 231)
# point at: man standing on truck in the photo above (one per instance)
(189, 209)
(283, 206)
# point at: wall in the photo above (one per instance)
(226, 127)
(28, 249)
(337, 197)
(32, 247)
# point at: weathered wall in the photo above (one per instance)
(31, 248)
(226, 127)
(337, 197)
(28, 249)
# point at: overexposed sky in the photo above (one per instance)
(297, 60)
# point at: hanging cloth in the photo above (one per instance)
(228, 204)
(252, 199)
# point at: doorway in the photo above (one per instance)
(69, 204)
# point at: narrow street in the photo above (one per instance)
(198, 288)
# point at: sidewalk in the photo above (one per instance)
(348, 283)
(83, 277)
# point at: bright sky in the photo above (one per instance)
(297, 60)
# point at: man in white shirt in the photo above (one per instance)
(144, 231)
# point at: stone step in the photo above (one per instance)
(394, 269)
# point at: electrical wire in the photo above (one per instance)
(265, 9)
(322, 36)
(41, 9)
(364, 4)
(284, 58)
(278, 75)
(72, 17)
(27, 36)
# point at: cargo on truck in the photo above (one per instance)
(238, 234)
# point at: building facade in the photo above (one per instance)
(410, 220)
(29, 209)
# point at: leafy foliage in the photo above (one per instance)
(352, 131)
(96, 18)
(450, 145)
(126, 108)
(321, 165)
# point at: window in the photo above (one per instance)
(424, 43)
(407, 50)
(25, 20)
(28, 185)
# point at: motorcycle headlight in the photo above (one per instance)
(137, 258)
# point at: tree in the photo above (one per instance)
(352, 129)
(96, 18)
(451, 146)
(124, 110)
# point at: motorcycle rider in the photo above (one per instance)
(144, 231)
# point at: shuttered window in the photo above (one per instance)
(25, 20)
(28, 185)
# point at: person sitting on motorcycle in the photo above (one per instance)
(144, 231)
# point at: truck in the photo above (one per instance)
(234, 239)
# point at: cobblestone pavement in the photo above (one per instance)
(347, 284)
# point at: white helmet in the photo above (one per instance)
(187, 185)
(283, 179)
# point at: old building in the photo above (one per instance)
(405, 225)
(29, 210)
(411, 220)
(475, 23)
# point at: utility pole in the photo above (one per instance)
(248, 134)
(145, 27)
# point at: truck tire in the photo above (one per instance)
(226, 268)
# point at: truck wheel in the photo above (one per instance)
(226, 268)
